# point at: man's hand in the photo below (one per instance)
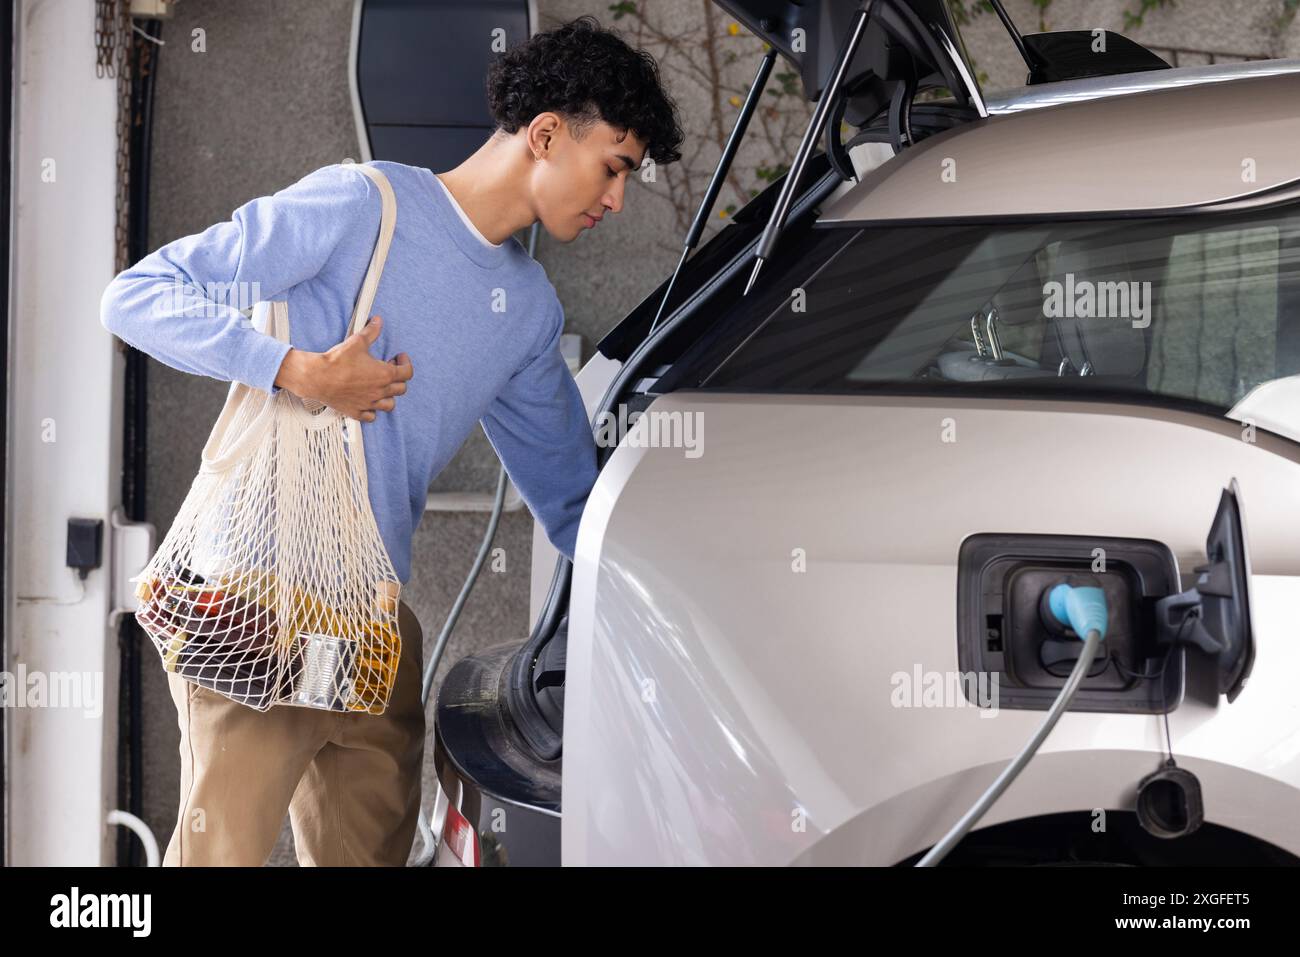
(348, 378)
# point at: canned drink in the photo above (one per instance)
(325, 678)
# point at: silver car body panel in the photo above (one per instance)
(724, 708)
(1100, 87)
(1180, 147)
(593, 380)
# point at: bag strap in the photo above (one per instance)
(387, 223)
(278, 325)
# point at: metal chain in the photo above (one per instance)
(105, 37)
(124, 45)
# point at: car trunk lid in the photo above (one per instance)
(906, 41)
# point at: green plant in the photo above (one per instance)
(1135, 18)
(713, 53)
(1289, 9)
(1042, 6)
(964, 11)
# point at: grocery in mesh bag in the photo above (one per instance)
(273, 585)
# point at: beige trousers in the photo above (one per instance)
(350, 781)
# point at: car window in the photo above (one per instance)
(1194, 310)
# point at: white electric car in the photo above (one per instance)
(997, 343)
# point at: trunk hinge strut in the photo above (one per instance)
(824, 103)
(719, 175)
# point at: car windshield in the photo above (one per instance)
(1192, 310)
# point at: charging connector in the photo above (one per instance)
(1084, 610)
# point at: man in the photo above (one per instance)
(465, 329)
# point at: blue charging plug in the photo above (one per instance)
(1082, 608)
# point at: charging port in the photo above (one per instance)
(1001, 630)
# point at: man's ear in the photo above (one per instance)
(541, 134)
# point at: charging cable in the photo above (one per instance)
(1084, 610)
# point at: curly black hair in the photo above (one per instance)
(585, 73)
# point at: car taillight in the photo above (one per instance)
(459, 839)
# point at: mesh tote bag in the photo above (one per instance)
(273, 585)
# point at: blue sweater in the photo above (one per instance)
(480, 322)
